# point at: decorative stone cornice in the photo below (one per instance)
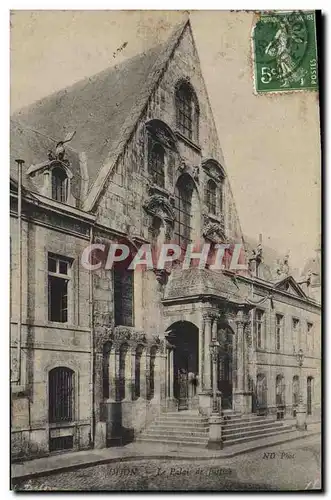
(161, 275)
(213, 231)
(158, 206)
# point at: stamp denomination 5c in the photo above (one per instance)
(285, 52)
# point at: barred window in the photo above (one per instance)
(59, 184)
(58, 280)
(183, 211)
(187, 111)
(123, 296)
(156, 164)
(259, 328)
(211, 196)
(279, 330)
(61, 395)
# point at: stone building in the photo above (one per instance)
(131, 155)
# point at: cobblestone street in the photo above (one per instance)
(289, 466)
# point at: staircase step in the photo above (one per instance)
(246, 428)
(191, 418)
(249, 423)
(239, 433)
(172, 442)
(188, 439)
(166, 432)
(249, 416)
(244, 439)
(181, 425)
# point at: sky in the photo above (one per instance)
(271, 143)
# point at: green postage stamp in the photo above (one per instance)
(285, 52)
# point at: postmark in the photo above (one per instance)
(285, 52)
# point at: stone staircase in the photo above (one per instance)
(239, 428)
(181, 428)
(189, 428)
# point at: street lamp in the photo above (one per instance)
(301, 409)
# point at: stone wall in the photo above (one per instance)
(46, 345)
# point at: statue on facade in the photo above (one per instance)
(59, 149)
(282, 268)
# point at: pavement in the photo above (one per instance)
(291, 466)
(65, 462)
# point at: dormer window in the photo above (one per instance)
(59, 185)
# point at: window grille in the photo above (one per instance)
(61, 395)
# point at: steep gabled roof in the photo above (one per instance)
(103, 109)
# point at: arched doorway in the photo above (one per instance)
(185, 337)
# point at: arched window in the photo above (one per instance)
(61, 395)
(187, 110)
(137, 371)
(183, 211)
(59, 184)
(156, 164)
(211, 197)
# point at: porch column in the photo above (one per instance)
(240, 355)
(171, 373)
(129, 364)
(201, 353)
(112, 375)
(242, 398)
(157, 375)
(144, 365)
(117, 375)
(100, 435)
(207, 359)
